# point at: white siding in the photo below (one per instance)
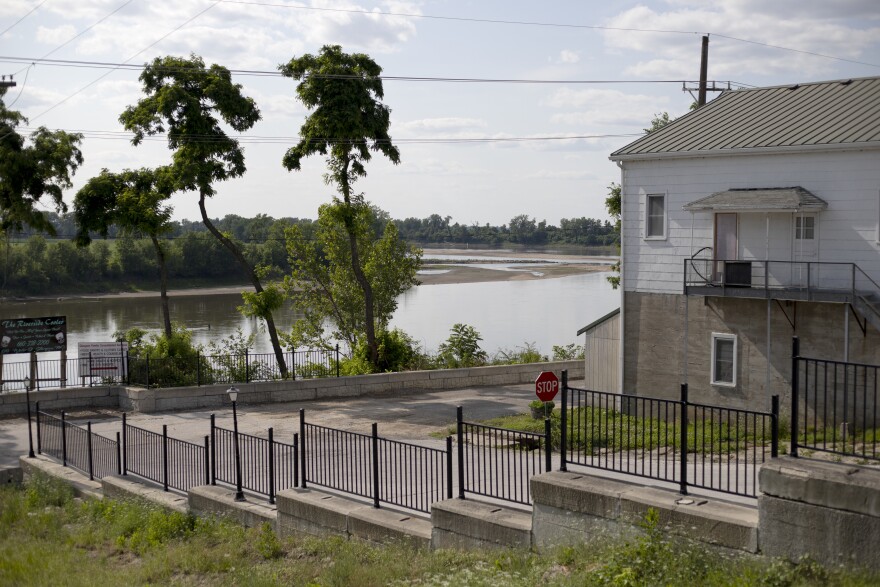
(847, 230)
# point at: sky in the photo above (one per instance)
(548, 157)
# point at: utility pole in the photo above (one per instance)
(6, 84)
(703, 86)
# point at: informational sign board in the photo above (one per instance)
(33, 335)
(546, 386)
(102, 359)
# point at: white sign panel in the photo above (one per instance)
(102, 359)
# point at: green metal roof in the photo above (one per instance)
(841, 113)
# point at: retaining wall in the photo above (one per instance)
(134, 399)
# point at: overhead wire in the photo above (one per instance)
(29, 12)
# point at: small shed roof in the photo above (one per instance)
(795, 199)
(840, 113)
(599, 322)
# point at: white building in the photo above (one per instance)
(749, 220)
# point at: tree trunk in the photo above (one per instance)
(249, 272)
(360, 277)
(163, 281)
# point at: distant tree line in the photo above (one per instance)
(33, 264)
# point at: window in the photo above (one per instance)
(723, 359)
(655, 216)
(805, 227)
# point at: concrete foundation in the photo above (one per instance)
(571, 508)
(828, 511)
(211, 500)
(468, 525)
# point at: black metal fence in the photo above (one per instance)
(693, 445)
(166, 372)
(77, 447)
(498, 462)
(381, 469)
(834, 407)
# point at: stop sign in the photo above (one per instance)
(546, 386)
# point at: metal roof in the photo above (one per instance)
(841, 113)
(759, 200)
(600, 321)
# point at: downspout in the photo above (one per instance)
(622, 285)
(769, 304)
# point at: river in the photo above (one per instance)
(508, 314)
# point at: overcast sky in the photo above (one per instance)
(484, 182)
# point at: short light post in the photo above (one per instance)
(233, 395)
(27, 399)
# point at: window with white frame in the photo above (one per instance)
(723, 359)
(805, 227)
(655, 216)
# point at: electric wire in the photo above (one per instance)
(29, 12)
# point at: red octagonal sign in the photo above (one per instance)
(546, 386)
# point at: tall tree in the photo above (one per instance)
(30, 171)
(347, 122)
(190, 100)
(135, 202)
(323, 286)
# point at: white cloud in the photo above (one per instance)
(56, 35)
(604, 107)
(561, 175)
(444, 124)
(568, 56)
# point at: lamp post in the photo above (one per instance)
(27, 398)
(233, 395)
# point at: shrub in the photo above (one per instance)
(462, 348)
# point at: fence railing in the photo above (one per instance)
(166, 372)
(77, 447)
(376, 468)
(834, 407)
(693, 445)
(498, 462)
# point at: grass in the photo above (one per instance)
(47, 537)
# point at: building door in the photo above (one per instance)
(726, 245)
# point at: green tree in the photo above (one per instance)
(190, 100)
(135, 202)
(462, 348)
(323, 285)
(347, 122)
(30, 170)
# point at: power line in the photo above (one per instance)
(29, 12)
(286, 140)
(266, 73)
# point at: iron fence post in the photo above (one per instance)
(148, 371)
(207, 460)
(124, 446)
(337, 359)
(683, 454)
(295, 459)
(563, 423)
(118, 454)
(213, 480)
(460, 437)
(375, 443)
(89, 447)
(39, 438)
(449, 467)
(302, 449)
(795, 391)
(271, 467)
(165, 457)
(293, 363)
(198, 368)
(548, 463)
(27, 399)
(774, 426)
(91, 370)
(247, 366)
(63, 439)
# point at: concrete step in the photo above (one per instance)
(82, 487)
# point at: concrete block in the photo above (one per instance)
(842, 487)
(81, 485)
(553, 527)
(292, 395)
(214, 500)
(179, 403)
(384, 526)
(178, 392)
(469, 524)
(580, 493)
(313, 512)
(792, 529)
(11, 476)
(128, 487)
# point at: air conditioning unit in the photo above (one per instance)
(738, 274)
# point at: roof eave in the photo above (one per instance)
(752, 151)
